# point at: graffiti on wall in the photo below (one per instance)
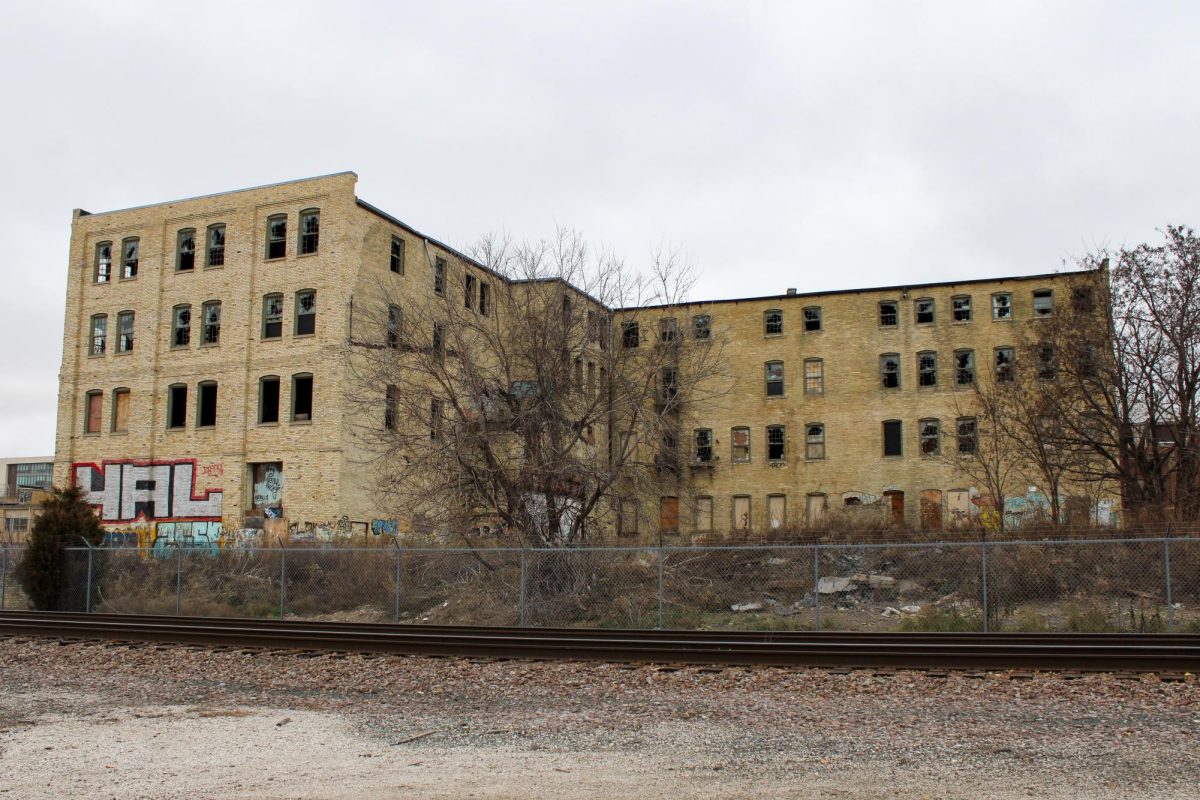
(124, 491)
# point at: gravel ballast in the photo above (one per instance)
(146, 721)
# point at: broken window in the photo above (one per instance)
(776, 443)
(931, 437)
(1047, 362)
(668, 452)
(962, 307)
(120, 413)
(277, 236)
(773, 322)
(591, 326)
(185, 250)
(591, 378)
(435, 419)
(396, 259)
(103, 269)
(966, 435)
(302, 397)
(668, 514)
(1043, 302)
(924, 310)
(814, 441)
(704, 514)
(438, 341)
(485, 298)
(99, 334)
(629, 335)
(216, 246)
(176, 405)
(776, 511)
(1083, 299)
(93, 410)
(268, 399)
(393, 327)
(206, 406)
(667, 330)
(211, 320)
(927, 368)
(125, 332)
(130, 249)
(774, 378)
(439, 276)
(703, 439)
(390, 401)
(889, 370)
(579, 374)
(889, 314)
(964, 367)
(740, 437)
(627, 517)
(893, 437)
(182, 329)
(1002, 305)
(310, 231)
(1005, 372)
(1087, 359)
(701, 327)
(272, 316)
(469, 292)
(306, 312)
(814, 376)
(812, 319)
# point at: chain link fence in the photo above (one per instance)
(1147, 585)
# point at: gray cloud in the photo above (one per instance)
(812, 145)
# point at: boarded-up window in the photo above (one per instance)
(94, 411)
(120, 421)
(741, 445)
(668, 514)
(931, 510)
(704, 514)
(776, 511)
(741, 513)
(814, 511)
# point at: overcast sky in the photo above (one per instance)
(816, 145)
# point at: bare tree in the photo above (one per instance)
(980, 447)
(501, 407)
(1121, 362)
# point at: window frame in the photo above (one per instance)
(782, 444)
(176, 328)
(202, 389)
(1002, 312)
(899, 428)
(97, 335)
(126, 262)
(628, 341)
(391, 402)
(308, 243)
(125, 341)
(972, 436)
(895, 323)
(964, 376)
(308, 317)
(929, 429)
(777, 381)
(205, 310)
(922, 372)
(811, 445)
(814, 385)
(702, 323)
(439, 276)
(884, 360)
(917, 311)
(768, 322)
(177, 401)
(702, 453)
(808, 320)
(395, 320)
(266, 316)
(961, 314)
(274, 242)
(93, 397)
(297, 379)
(185, 256)
(668, 330)
(263, 381)
(214, 255)
(1004, 372)
(485, 298)
(733, 444)
(102, 264)
(469, 284)
(396, 255)
(1046, 295)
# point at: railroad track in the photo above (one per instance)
(1105, 652)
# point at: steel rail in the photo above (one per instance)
(1079, 652)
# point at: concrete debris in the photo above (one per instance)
(776, 562)
(890, 612)
(911, 609)
(839, 585)
(741, 607)
(835, 585)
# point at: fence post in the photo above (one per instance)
(661, 556)
(282, 580)
(817, 585)
(1167, 569)
(984, 570)
(3, 576)
(521, 601)
(399, 567)
(87, 606)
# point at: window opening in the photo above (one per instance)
(773, 322)
(396, 259)
(774, 379)
(1043, 302)
(306, 312)
(889, 313)
(704, 452)
(469, 292)
(439, 276)
(1004, 365)
(272, 316)
(1002, 306)
(393, 327)
(893, 438)
(812, 319)
(485, 298)
(185, 258)
(206, 416)
(302, 397)
(216, 245)
(129, 258)
(966, 435)
(212, 323)
(962, 308)
(964, 367)
(814, 441)
(889, 370)
(924, 310)
(268, 399)
(276, 237)
(93, 411)
(103, 272)
(310, 231)
(776, 443)
(927, 369)
(629, 335)
(125, 332)
(99, 334)
(741, 445)
(120, 417)
(183, 327)
(177, 406)
(814, 376)
(701, 327)
(667, 330)
(931, 437)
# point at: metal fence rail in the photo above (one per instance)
(1142, 584)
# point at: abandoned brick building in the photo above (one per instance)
(204, 375)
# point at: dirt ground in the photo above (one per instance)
(156, 723)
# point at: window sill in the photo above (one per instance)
(95, 355)
(929, 324)
(961, 322)
(180, 348)
(303, 335)
(268, 424)
(818, 330)
(302, 422)
(91, 434)
(209, 268)
(128, 352)
(1002, 319)
(177, 430)
(772, 335)
(124, 279)
(308, 255)
(209, 344)
(901, 455)
(185, 271)
(206, 427)
(118, 433)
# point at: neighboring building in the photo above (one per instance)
(26, 482)
(205, 368)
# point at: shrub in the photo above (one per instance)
(943, 620)
(44, 573)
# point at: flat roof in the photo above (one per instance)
(83, 213)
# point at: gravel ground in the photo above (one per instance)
(104, 721)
